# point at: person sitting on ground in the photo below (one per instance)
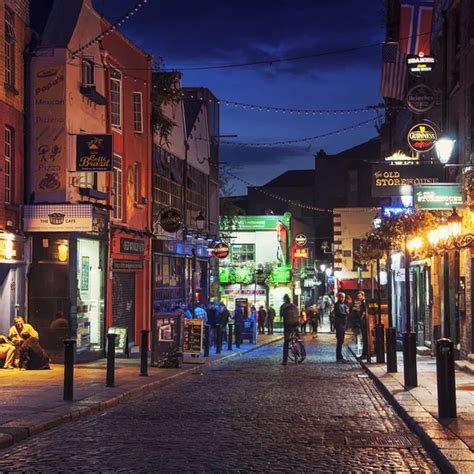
(7, 352)
(32, 355)
(19, 328)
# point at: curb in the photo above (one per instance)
(428, 443)
(12, 433)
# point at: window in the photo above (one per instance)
(242, 253)
(88, 78)
(10, 40)
(137, 112)
(116, 98)
(88, 180)
(8, 164)
(117, 187)
(136, 187)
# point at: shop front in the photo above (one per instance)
(66, 281)
(12, 279)
(245, 296)
(128, 287)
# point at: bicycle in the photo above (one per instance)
(296, 348)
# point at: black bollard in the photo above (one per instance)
(68, 391)
(218, 339)
(110, 381)
(380, 343)
(144, 353)
(391, 335)
(446, 379)
(238, 335)
(207, 339)
(409, 360)
(229, 337)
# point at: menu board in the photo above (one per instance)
(193, 332)
(121, 341)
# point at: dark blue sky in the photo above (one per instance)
(212, 32)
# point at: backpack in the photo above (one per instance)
(291, 315)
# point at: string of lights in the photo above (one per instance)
(134, 9)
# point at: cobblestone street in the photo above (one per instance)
(248, 414)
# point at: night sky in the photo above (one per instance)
(189, 34)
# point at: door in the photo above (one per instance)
(123, 302)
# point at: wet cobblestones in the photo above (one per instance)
(248, 414)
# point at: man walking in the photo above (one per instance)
(341, 311)
(270, 319)
(262, 316)
(291, 319)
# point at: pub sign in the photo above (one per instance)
(94, 152)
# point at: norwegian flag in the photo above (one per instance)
(394, 72)
(416, 17)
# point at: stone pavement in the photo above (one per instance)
(453, 439)
(31, 401)
(247, 414)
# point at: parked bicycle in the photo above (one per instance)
(296, 348)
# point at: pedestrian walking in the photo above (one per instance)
(357, 314)
(224, 319)
(238, 322)
(314, 319)
(270, 319)
(291, 319)
(326, 307)
(341, 311)
(211, 320)
(303, 319)
(262, 317)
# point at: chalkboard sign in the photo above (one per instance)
(192, 341)
(166, 340)
(121, 341)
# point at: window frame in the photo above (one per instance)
(9, 48)
(137, 172)
(117, 187)
(88, 60)
(9, 157)
(116, 80)
(248, 251)
(138, 114)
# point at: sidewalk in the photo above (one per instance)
(451, 439)
(31, 401)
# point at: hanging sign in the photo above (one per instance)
(419, 65)
(94, 152)
(301, 240)
(422, 137)
(420, 99)
(132, 246)
(221, 250)
(171, 220)
(301, 252)
(441, 196)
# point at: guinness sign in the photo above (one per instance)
(171, 220)
(420, 99)
(422, 137)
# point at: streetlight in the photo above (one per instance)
(322, 267)
(200, 223)
(444, 147)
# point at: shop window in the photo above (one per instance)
(242, 253)
(117, 188)
(8, 155)
(116, 98)
(87, 72)
(137, 112)
(10, 41)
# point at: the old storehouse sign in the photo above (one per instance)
(171, 220)
(422, 137)
(94, 152)
(420, 99)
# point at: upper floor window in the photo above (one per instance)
(10, 40)
(8, 155)
(116, 98)
(242, 253)
(87, 72)
(137, 181)
(137, 112)
(117, 188)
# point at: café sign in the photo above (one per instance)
(58, 218)
(441, 196)
(94, 152)
(422, 137)
(420, 99)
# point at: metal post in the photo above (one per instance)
(193, 280)
(207, 341)
(68, 391)
(110, 379)
(238, 334)
(144, 353)
(379, 328)
(446, 378)
(229, 336)
(409, 337)
(218, 338)
(391, 333)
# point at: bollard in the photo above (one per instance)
(218, 338)
(391, 335)
(68, 392)
(144, 353)
(110, 379)
(380, 343)
(207, 339)
(238, 335)
(409, 360)
(446, 378)
(229, 337)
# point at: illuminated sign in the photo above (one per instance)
(221, 250)
(301, 240)
(442, 196)
(301, 252)
(422, 137)
(390, 211)
(418, 65)
(94, 152)
(400, 158)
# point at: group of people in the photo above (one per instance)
(21, 348)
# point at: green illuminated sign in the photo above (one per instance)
(442, 196)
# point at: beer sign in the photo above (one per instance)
(420, 99)
(422, 137)
(419, 65)
(301, 240)
(221, 250)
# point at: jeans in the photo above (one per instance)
(340, 334)
(287, 334)
(270, 326)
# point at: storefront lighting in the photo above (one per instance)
(406, 195)
(63, 251)
(383, 277)
(9, 246)
(414, 244)
(322, 267)
(434, 237)
(454, 225)
(328, 272)
(444, 148)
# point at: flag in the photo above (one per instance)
(416, 17)
(394, 72)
